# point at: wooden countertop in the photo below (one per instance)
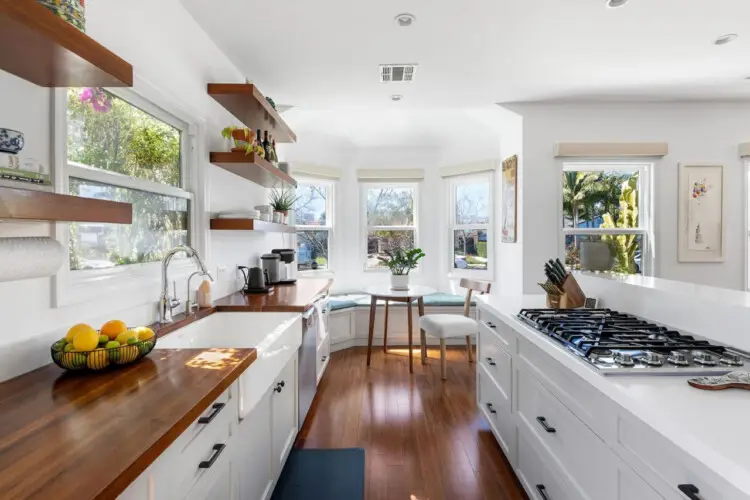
(85, 436)
(289, 298)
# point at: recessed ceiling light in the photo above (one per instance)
(396, 97)
(724, 39)
(613, 4)
(405, 20)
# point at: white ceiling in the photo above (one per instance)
(325, 53)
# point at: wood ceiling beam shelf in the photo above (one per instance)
(44, 49)
(250, 225)
(251, 167)
(24, 204)
(249, 106)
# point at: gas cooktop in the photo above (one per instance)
(618, 343)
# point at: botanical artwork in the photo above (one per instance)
(701, 214)
(704, 214)
(509, 190)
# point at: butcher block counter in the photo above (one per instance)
(82, 436)
(287, 298)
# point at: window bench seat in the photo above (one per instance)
(350, 319)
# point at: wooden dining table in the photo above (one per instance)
(387, 294)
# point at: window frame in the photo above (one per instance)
(746, 218)
(645, 210)
(73, 287)
(330, 187)
(365, 186)
(452, 183)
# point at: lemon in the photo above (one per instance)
(124, 336)
(97, 359)
(86, 340)
(76, 329)
(114, 328)
(144, 333)
(127, 354)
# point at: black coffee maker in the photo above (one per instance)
(256, 281)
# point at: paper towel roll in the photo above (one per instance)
(25, 258)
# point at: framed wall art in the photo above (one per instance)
(510, 199)
(700, 213)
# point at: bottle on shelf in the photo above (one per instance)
(274, 156)
(259, 142)
(266, 145)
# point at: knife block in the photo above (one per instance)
(571, 298)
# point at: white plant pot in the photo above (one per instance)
(399, 281)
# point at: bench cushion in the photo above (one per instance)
(339, 302)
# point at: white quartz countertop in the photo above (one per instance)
(711, 426)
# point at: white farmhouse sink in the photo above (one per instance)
(276, 337)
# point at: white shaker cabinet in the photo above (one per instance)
(284, 415)
(254, 455)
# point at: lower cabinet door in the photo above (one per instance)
(497, 410)
(254, 461)
(284, 414)
(539, 480)
(216, 482)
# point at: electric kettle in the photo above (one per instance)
(256, 280)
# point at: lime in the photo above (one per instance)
(103, 339)
(59, 345)
(73, 361)
(145, 347)
(113, 350)
(132, 341)
(69, 348)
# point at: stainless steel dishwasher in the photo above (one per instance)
(307, 371)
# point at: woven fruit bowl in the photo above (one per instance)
(125, 349)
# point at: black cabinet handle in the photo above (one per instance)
(215, 411)
(218, 448)
(542, 491)
(491, 324)
(323, 359)
(690, 491)
(491, 362)
(490, 408)
(543, 422)
(279, 387)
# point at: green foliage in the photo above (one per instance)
(401, 261)
(482, 249)
(624, 246)
(129, 141)
(282, 201)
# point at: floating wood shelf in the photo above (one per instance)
(249, 106)
(25, 204)
(250, 225)
(44, 49)
(253, 168)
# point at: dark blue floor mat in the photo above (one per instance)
(322, 474)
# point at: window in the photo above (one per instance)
(390, 220)
(313, 214)
(128, 150)
(471, 222)
(606, 204)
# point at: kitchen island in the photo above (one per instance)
(572, 433)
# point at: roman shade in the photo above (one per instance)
(469, 168)
(316, 171)
(390, 174)
(609, 149)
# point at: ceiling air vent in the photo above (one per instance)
(397, 73)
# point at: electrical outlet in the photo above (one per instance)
(221, 273)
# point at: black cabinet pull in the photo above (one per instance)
(215, 411)
(323, 359)
(542, 491)
(543, 422)
(491, 324)
(282, 383)
(279, 387)
(490, 408)
(690, 491)
(491, 362)
(218, 448)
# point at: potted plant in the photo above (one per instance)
(400, 262)
(282, 202)
(244, 140)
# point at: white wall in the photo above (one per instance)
(172, 55)
(696, 132)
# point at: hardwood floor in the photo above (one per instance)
(423, 438)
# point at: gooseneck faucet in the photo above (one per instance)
(166, 303)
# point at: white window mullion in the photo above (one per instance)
(116, 179)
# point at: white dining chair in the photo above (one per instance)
(444, 326)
